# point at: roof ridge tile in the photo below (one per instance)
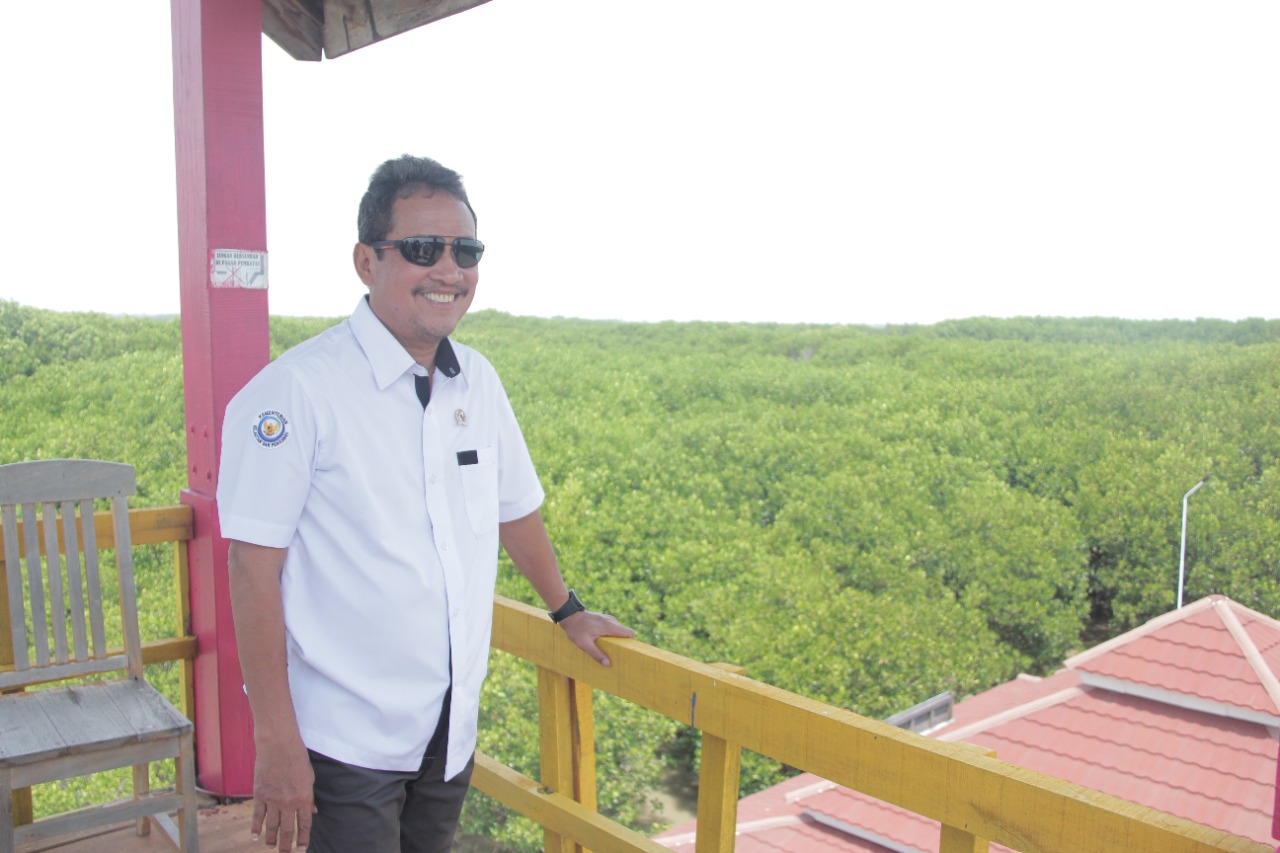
(1250, 649)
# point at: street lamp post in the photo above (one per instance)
(1182, 557)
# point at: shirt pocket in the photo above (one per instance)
(479, 472)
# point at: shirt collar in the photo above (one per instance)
(446, 360)
(387, 358)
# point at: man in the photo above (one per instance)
(368, 476)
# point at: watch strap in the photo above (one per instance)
(570, 607)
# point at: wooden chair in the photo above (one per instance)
(54, 631)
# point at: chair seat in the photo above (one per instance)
(82, 719)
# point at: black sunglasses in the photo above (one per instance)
(425, 251)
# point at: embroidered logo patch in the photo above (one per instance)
(271, 429)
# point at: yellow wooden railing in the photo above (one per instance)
(976, 798)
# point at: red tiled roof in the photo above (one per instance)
(1177, 715)
(1212, 651)
(1213, 770)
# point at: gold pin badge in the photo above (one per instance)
(460, 417)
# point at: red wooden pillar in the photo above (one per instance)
(217, 67)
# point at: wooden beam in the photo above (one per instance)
(555, 811)
(353, 24)
(295, 25)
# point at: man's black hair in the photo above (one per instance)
(399, 178)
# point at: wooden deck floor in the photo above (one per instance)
(223, 829)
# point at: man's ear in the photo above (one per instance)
(363, 257)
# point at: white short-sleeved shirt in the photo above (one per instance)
(390, 516)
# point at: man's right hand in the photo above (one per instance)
(283, 780)
(283, 801)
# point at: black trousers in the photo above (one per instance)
(386, 811)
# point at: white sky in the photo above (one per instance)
(850, 162)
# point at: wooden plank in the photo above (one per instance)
(80, 764)
(96, 816)
(558, 813)
(157, 524)
(582, 728)
(961, 839)
(35, 589)
(13, 807)
(56, 620)
(186, 836)
(20, 801)
(46, 480)
(955, 840)
(75, 584)
(160, 651)
(82, 716)
(24, 727)
(186, 672)
(80, 669)
(127, 590)
(81, 719)
(567, 743)
(175, 649)
(141, 789)
(352, 24)
(718, 783)
(171, 831)
(13, 644)
(555, 747)
(147, 714)
(9, 808)
(295, 25)
(148, 526)
(93, 586)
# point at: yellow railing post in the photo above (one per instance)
(567, 749)
(958, 839)
(555, 755)
(187, 666)
(583, 728)
(719, 777)
(718, 795)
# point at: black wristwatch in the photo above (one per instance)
(570, 607)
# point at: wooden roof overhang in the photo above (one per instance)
(312, 30)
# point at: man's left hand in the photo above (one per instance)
(586, 627)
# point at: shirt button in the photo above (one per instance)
(444, 546)
(432, 480)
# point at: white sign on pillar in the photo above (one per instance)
(238, 268)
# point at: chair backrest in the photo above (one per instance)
(51, 574)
